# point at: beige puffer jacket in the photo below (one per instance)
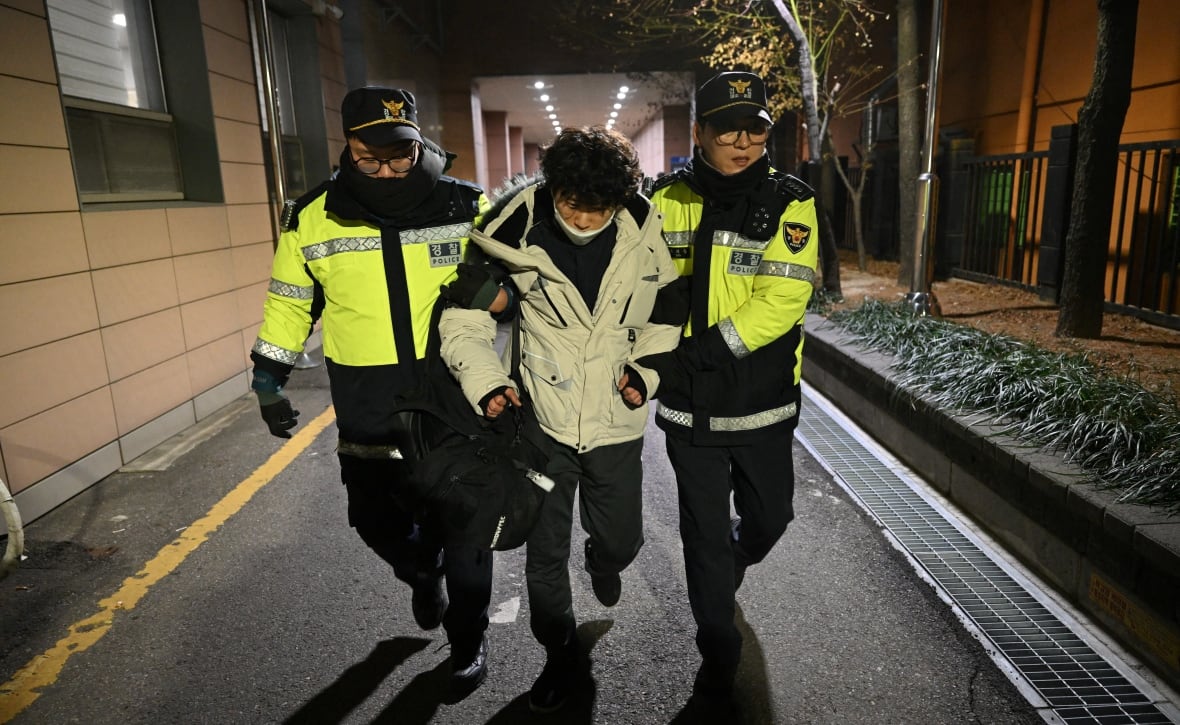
(571, 357)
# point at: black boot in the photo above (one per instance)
(607, 587)
(558, 679)
(469, 665)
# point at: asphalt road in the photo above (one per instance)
(178, 596)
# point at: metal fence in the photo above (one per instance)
(1004, 213)
(1004, 220)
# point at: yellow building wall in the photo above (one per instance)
(985, 45)
(123, 326)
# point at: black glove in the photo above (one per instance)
(475, 288)
(276, 409)
(279, 415)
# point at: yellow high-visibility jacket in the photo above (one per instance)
(380, 281)
(750, 264)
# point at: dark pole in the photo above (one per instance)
(921, 298)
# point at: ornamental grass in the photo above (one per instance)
(1126, 437)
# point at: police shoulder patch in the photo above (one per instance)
(796, 236)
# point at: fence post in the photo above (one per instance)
(955, 197)
(1055, 223)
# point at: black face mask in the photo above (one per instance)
(392, 198)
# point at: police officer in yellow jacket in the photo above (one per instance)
(380, 238)
(743, 238)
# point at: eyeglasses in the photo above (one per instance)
(756, 136)
(370, 166)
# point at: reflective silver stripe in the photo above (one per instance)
(274, 352)
(730, 334)
(376, 452)
(436, 234)
(786, 269)
(329, 247)
(294, 291)
(730, 425)
(678, 239)
(674, 416)
(733, 239)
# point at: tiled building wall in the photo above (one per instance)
(121, 327)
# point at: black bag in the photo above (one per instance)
(486, 486)
(486, 477)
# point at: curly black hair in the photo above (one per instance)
(596, 165)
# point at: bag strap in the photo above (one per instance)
(514, 373)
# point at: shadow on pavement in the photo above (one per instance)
(357, 683)
(751, 698)
(418, 702)
(580, 707)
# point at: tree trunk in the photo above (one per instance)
(856, 194)
(828, 256)
(909, 136)
(1100, 124)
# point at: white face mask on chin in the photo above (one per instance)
(576, 236)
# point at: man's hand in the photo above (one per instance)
(499, 400)
(474, 288)
(632, 388)
(276, 409)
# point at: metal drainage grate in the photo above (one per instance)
(1061, 673)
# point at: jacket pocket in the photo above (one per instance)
(549, 381)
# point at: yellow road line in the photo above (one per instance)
(43, 670)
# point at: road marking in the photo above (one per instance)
(26, 684)
(506, 612)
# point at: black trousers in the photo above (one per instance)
(608, 483)
(412, 542)
(762, 480)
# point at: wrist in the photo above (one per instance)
(266, 397)
(500, 303)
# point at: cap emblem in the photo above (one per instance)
(740, 87)
(393, 108)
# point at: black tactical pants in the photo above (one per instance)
(607, 481)
(762, 480)
(412, 542)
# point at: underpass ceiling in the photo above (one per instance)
(582, 99)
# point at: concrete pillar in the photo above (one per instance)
(459, 112)
(532, 158)
(496, 137)
(515, 150)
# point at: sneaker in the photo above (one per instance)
(469, 665)
(429, 603)
(557, 680)
(607, 588)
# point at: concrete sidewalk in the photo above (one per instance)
(1120, 563)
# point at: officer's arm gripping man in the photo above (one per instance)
(777, 302)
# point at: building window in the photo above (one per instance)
(106, 51)
(114, 59)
